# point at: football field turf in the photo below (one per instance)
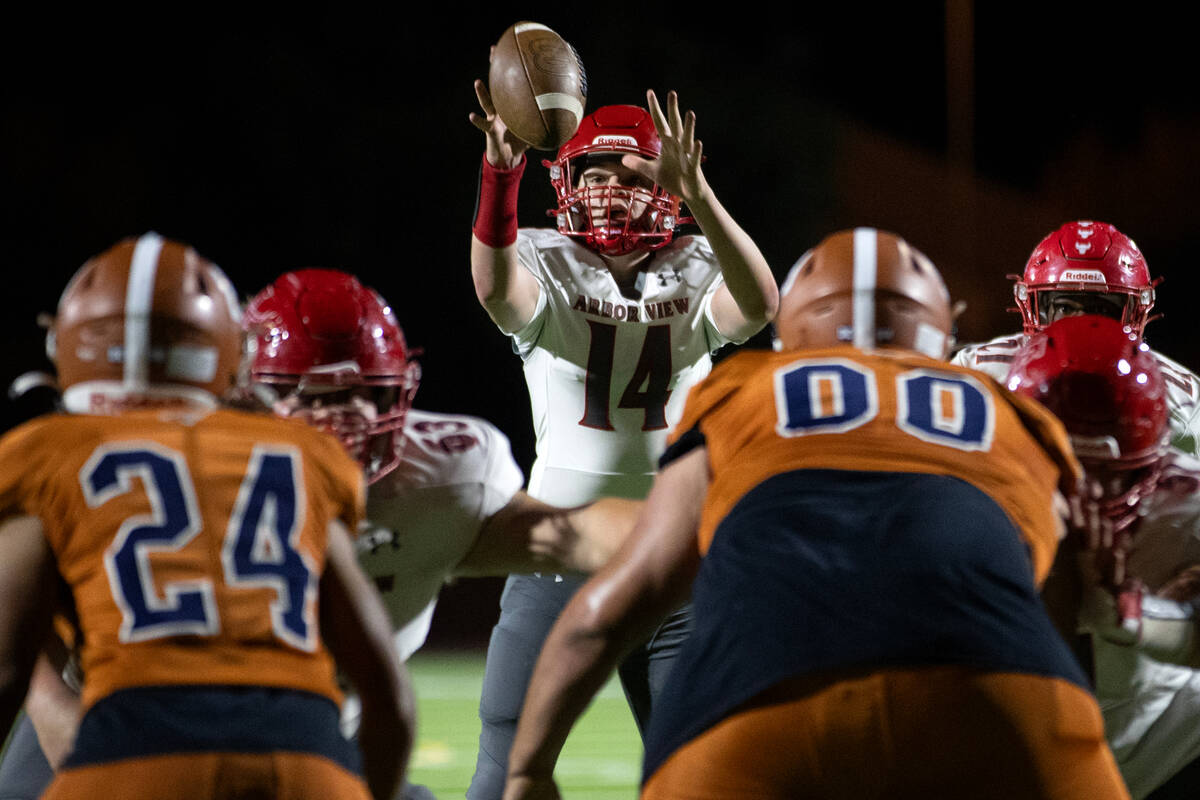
(601, 760)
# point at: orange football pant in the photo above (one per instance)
(211, 776)
(923, 733)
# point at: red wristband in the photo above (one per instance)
(496, 207)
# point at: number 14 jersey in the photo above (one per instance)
(608, 374)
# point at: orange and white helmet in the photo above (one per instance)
(868, 288)
(146, 322)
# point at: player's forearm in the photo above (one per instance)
(27, 584)
(747, 274)
(576, 660)
(503, 287)
(55, 709)
(358, 632)
(599, 530)
(385, 738)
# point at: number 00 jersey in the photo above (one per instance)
(864, 511)
(607, 374)
(192, 543)
(763, 414)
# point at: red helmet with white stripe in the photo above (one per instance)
(329, 350)
(1105, 386)
(865, 287)
(1085, 267)
(601, 204)
(148, 321)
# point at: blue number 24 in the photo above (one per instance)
(259, 548)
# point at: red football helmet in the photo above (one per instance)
(1105, 386)
(612, 218)
(144, 323)
(1085, 267)
(327, 349)
(865, 287)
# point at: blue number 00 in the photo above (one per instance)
(260, 547)
(831, 395)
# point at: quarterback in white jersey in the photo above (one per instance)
(1091, 267)
(1141, 565)
(614, 319)
(607, 373)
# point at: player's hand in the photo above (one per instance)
(677, 168)
(504, 150)
(523, 787)
(1085, 520)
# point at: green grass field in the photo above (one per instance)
(601, 761)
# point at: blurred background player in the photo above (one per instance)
(1091, 268)
(615, 318)
(444, 497)
(444, 494)
(866, 527)
(1110, 394)
(207, 553)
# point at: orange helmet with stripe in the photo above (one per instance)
(868, 288)
(145, 322)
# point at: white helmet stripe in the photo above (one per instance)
(866, 251)
(139, 296)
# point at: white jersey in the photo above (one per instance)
(1183, 386)
(1152, 709)
(608, 374)
(426, 515)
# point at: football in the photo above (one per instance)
(538, 85)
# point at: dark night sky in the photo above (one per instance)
(342, 141)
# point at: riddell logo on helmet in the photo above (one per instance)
(1083, 276)
(610, 140)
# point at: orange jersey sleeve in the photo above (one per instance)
(764, 413)
(193, 543)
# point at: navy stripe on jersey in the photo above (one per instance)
(685, 444)
(163, 720)
(819, 571)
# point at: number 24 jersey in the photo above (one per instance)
(192, 543)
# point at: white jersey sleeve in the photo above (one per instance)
(1183, 400)
(993, 357)
(608, 373)
(1183, 387)
(426, 515)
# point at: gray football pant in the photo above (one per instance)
(528, 608)
(24, 772)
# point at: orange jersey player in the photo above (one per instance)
(863, 529)
(206, 551)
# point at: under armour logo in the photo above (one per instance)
(1085, 232)
(1083, 247)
